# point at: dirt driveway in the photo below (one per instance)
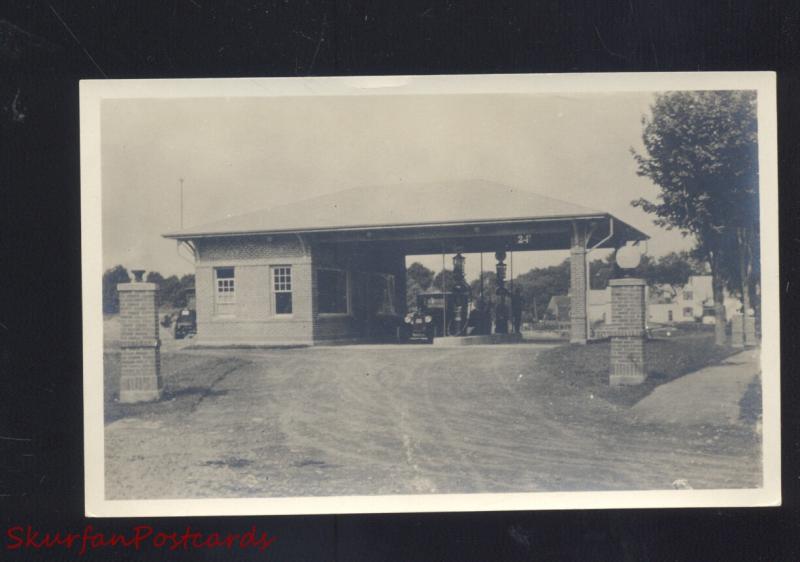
(410, 419)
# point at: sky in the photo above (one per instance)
(237, 155)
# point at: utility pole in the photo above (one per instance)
(181, 242)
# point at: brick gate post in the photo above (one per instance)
(577, 286)
(140, 364)
(627, 331)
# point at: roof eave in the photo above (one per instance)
(201, 234)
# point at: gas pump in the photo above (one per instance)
(501, 309)
(461, 293)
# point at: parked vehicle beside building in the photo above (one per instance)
(186, 318)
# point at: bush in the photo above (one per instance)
(111, 278)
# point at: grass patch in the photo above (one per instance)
(585, 369)
(188, 380)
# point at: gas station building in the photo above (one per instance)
(333, 267)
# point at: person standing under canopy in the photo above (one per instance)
(517, 303)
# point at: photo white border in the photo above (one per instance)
(92, 92)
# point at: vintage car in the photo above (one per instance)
(186, 318)
(419, 323)
(441, 307)
(185, 323)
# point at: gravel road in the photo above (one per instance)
(408, 420)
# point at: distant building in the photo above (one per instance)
(693, 302)
(600, 305)
(558, 308)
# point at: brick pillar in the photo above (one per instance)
(140, 364)
(577, 286)
(627, 331)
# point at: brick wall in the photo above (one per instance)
(249, 248)
(577, 294)
(628, 303)
(627, 330)
(138, 311)
(140, 359)
(251, 318)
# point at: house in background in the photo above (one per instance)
(599, 306)
(558, 308)
(693, 302)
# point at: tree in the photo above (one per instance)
(673, 269)
(111, 278)
(489, 286)
(600, 271)
(449, 281)
(418, 279)
(540, 284)
(701, 151)
(185, 287)
(170, 290)
(154, 277)
(419, 274)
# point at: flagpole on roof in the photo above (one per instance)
(182, 242)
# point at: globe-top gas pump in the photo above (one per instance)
(501, 309)
(461, 294)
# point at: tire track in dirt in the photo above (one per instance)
(448, 436)
(557, 455)
(386, 378)
(351, 430)
(525, 445)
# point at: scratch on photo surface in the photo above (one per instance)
(603, 43)
(75, 37)
(319, 42)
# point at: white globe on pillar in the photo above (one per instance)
(628, 257)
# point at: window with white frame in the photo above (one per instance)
(282, 289)
(225, 289)
(332, 291)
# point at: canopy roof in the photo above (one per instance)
(404, 208)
